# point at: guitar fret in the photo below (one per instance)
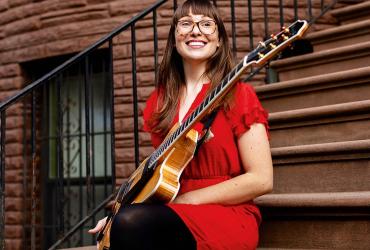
(209, 99)
(213, 93)
(187, 121)
(240, 65)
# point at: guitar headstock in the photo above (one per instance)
(268, 49)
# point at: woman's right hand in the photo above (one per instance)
(99, 226)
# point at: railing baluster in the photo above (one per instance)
(233, 28)
(106, 85)
(92, 125)
(155, 36)
(309, 9)
(34, 166)
(174, 5)
(134, 94)
(266, 15)
(250, 21)
(2, 179)
(295, 10)
(112, 130)
(68, 164)
(281, 12)
(26, 195)
(60, 162)
(80, 152)
(87, 133)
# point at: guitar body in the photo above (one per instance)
(164, 184)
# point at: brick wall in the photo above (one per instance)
(36, 29)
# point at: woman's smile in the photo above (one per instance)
(196, 44)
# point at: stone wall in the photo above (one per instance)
(36, 29)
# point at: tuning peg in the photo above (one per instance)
(284, 37)
(260, 55)
(273, 37)
(262, 44)
(272, 46)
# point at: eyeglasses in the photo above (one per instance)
(207, 27)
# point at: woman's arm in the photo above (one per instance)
(254, 150)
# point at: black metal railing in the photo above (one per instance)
(67, 164)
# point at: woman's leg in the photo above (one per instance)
(149, 226)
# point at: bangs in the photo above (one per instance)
(197, 7)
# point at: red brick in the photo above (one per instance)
(13, 204)
(14, 162)
(14, 175)
(14, 190)
(13, 218)
(13, 231)
(9, 70)
(23, 25)
(13, 244)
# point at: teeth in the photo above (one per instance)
(196, 43)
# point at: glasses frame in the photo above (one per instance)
(195, 23)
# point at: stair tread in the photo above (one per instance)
(318, 79)
(359, 7)
(327, 199)
(323, 148)
(352, 50)
(320, 111)
(351, 29)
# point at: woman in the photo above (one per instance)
(214, 208)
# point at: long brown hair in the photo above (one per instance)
(171, 77)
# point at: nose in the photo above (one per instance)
(196, 29)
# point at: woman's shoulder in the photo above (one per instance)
(244, 94)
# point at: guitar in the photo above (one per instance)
(157, 177)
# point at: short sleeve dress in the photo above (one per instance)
(215, 226)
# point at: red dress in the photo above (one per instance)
(216, 226)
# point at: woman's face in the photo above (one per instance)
(191, 43)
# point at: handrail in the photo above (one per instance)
(79, 56)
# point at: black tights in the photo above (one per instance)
(148, 226)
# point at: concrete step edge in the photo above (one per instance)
(342, 109)
(330, 55)
(347, 30)
(328, 199)
(319, 81)
(357, 146)
(351, 9)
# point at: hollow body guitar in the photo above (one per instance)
(157, 177)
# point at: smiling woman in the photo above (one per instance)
(214, 208)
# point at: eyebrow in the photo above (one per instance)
(202, 19)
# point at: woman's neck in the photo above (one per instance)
(194, 74)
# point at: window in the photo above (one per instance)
(76, 154)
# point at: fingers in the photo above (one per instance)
(99, 226)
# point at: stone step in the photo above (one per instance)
(326, 167)
(346, 86)
(315, 221)
(323, 62)
(352, 13)
(343, 35)
(325, 124)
